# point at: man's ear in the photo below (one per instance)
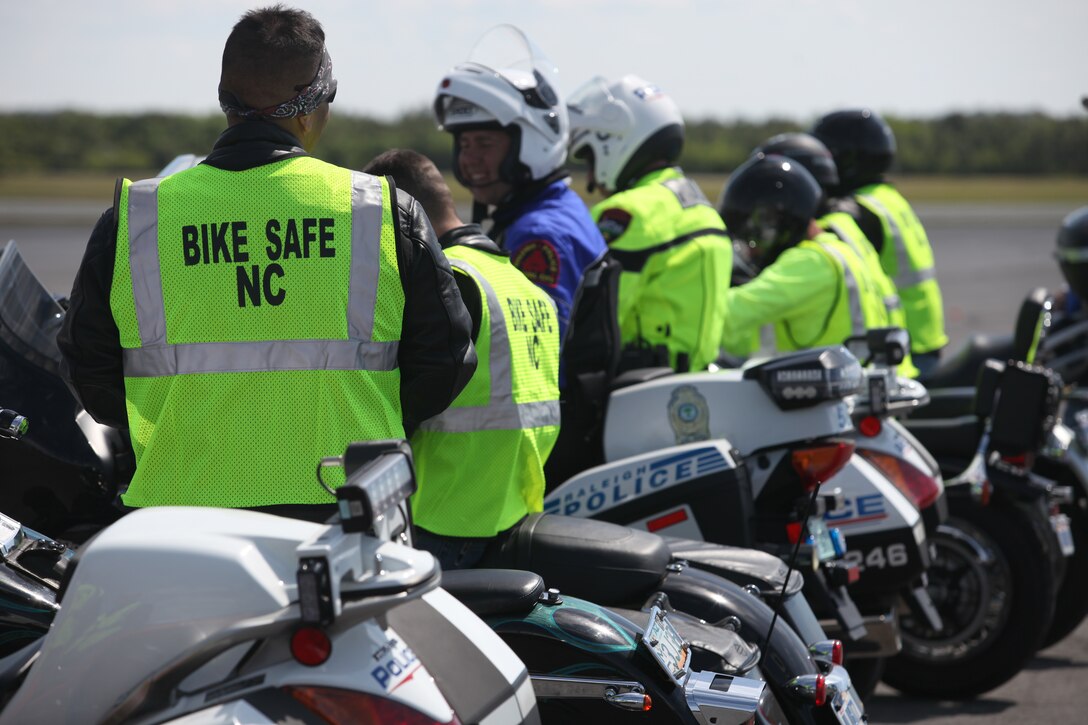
(306, 122)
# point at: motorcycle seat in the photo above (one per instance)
(596, 560)
(744, 566)
(489, 592)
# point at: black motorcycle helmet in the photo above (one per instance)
(1072, 252)
(767, 206)
(862, 144)
(807, 150)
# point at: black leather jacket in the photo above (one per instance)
(436, 355)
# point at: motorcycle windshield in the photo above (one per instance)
(507, 52)
(30, 317)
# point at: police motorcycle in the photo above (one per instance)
(1049, 335)
(788, 441)
(1000, 556)
(222, 615)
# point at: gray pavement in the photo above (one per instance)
(1053, 688)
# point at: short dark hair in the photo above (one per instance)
(269, 52)
(416, 174)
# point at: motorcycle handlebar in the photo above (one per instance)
(12, 425)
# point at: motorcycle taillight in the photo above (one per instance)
(344, 707)
(916, 485)
(810, 687)
(817, 464)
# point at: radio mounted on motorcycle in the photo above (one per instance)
(803, 379)
(374, 482)
(378, 478)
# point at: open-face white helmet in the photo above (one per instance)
(622, 127)
(508, 82)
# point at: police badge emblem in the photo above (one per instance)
(689, 415)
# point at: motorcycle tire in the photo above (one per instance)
(1071, 603)
(996, 601)
(865, 674)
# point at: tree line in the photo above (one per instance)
(955, 144)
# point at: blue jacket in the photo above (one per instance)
(551, 237)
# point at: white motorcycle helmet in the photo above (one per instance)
(508, 82)
(622, 127)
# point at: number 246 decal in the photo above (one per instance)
(879, 557)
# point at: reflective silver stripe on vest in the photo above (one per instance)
(892, 303)
(907, 276)
(841, 234)
(501, 416)
(265, 356)
(501, 412)
(366, 224)
(853, 293)
(143, 260)
(157, 358)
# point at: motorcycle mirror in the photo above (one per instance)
(986, 388)
(1025, 409)
(884, 345)
(1032, 322)
(889, 345)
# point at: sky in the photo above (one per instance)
(723, 59)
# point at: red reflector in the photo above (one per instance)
(1019, 459)
(647, 703)
(919, 487)
(836, 652)
(667, 520)
(816, 465)
(821, 691)
(793, 532)
(341, 707)
(870, 426)
(853, 574)
(985, 491)
(310, 646)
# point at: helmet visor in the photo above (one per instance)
(507, 52)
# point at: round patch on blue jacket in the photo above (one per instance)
(539, 261)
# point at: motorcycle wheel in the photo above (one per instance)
(865, 674)
(1071, 604)
(994, 597)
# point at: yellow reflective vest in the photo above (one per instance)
(816, 293)
(676, 259)
(259, 314)
(908, 259)
(480, 463)
(845, 228)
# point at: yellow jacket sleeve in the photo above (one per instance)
(799, 282)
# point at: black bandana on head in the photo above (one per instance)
(322, 88)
